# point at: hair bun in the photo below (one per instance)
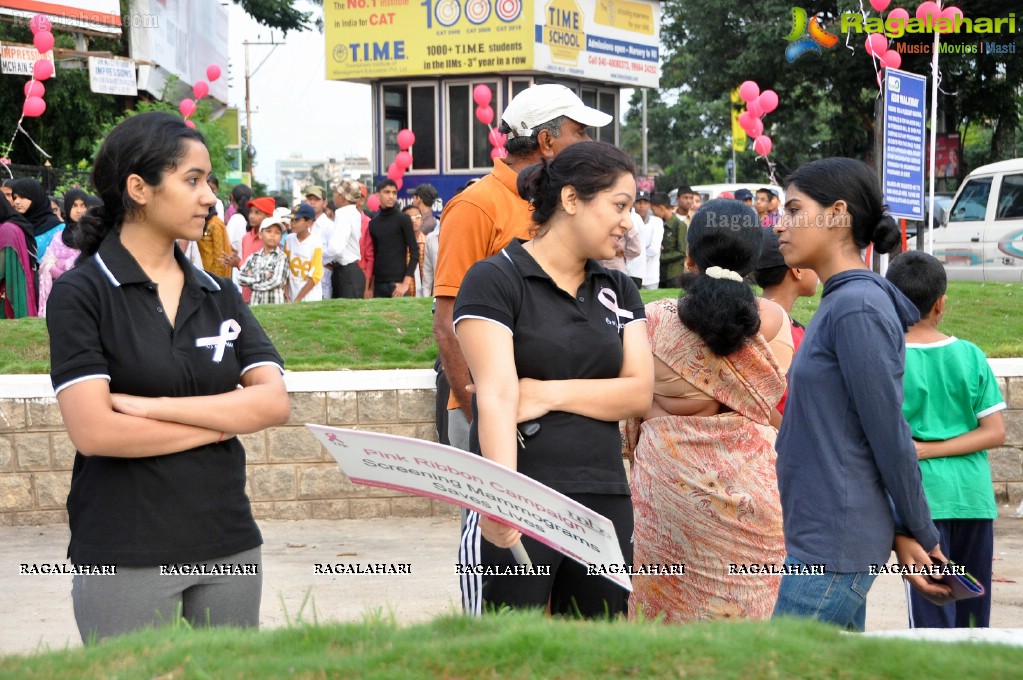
(887, 234)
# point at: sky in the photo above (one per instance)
(294, 107)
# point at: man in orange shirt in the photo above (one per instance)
(540, 122)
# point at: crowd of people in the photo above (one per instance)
(274, 252)
(810, 452)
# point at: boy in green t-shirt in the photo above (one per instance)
(953, 406)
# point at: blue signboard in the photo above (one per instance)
(903, 173)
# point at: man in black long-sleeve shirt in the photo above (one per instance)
(396, 253)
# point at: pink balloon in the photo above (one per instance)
(373, 202)
(877, 44)
(749, 91)
(482, 95)
(200, 89)
(755, 108)
(768, 100)
(951, 14)
(927, 8)
(498, 152)
(186, 107)
(400, 182)
(42, 69)
(212, 72)
(190, 123)
(880, 5)
(762, 145)
(899, 14)
(43, 41)
(744, 119)
(406, 138)
(33, 107)
(403, 160)
(394, 172)
(891, 59)
(485, 114)
(34, 88)
(496, 138)
(756, 128)
(40, 22)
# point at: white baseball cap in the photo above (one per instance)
(273, 221)
(541, 103)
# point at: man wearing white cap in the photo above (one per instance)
(540, 122)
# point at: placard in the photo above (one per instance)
(449, 474)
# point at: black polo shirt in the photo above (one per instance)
(558, 336)
(105, 321)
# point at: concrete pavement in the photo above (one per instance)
(36, 612)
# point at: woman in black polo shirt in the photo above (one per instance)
(146, 355)
(553, 337)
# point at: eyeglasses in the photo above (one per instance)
(416, 217)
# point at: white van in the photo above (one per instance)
(981, 235)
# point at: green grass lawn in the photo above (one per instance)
(520, 646)
(383, 334)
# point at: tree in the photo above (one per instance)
(279, 14)
(827, 100)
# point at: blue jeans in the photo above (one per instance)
(837, 598)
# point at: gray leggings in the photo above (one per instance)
(140, 597)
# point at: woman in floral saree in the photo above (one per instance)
(703, 481)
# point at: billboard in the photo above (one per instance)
(604, 40)
(17, 59)
(186, 37)
(84, 16)
(614, 41)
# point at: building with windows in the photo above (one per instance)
(424, 63)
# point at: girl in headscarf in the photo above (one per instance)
(18, 258)
(61, 254)
(32, 202)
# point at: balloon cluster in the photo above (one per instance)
(42, 69)
(482, 95)
(758, 104)
(402, 159)
(201, 88)
(877, 43)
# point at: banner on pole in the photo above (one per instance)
(449, 474)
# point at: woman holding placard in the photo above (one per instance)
(553, 338)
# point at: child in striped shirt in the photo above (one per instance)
(265, 271)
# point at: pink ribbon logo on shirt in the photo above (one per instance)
(609, 299)
(229, 330)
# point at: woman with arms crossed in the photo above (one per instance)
(847, 465)
(146, 354)
(551, 336)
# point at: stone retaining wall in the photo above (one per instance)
(290, 476)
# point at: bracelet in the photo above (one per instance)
(221, 438)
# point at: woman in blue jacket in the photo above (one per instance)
(847, 467)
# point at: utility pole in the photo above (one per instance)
(646, 164)
(250, 150)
